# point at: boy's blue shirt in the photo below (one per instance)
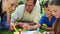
(45, 20)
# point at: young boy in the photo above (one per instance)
(54, 6)
(47, 18)
(7, 6)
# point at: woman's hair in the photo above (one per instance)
(57, 26)
(55, 2)
(35, 1)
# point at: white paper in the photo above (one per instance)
(29, 32)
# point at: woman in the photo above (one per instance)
(7, 7)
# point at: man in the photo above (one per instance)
(29, 12)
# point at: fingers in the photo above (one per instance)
(19, 24)
(25, 26)
(11, 28)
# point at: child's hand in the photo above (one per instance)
(11, 27)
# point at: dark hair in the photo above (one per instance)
(45, 4)
(55, 2)
(57, 26)
(35, 2)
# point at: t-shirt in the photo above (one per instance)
(45, 20)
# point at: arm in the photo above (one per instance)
(21, 23)
(14, 16)
(34, 27)
(36, 19)
(37, 13)
(8, 17)
(48, 28)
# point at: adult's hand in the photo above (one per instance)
(19, 24)
(26, 26)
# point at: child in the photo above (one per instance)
(47, 18)
(7, 6)
(54, 6)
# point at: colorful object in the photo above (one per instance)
(14, 26)
(19, 31)
(16, 32)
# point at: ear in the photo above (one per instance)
(44, 8)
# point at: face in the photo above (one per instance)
(9, 5)
(29, 5)
(55, 10)
(48, 12)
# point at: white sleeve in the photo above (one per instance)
(17, 13)
(37, 15)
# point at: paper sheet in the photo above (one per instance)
(29, 32)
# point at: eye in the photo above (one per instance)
(48, 10)
(12, 4)
(55, 10)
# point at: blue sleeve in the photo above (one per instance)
(41, 21)
(4, 23)
(6, 26)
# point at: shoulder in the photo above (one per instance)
(44, 15)
(37, 8)
(20, 6)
